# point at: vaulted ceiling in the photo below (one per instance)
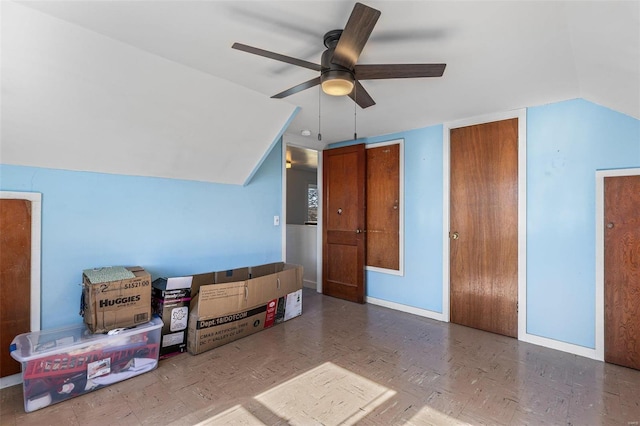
(173, 90)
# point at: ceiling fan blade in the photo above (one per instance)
(374, 72)
(300, 87)
(361, 96)
(277, 56)
(355, 35)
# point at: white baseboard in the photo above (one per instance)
(8, 381)
(310, 284)
(406, 308)
(560, 346)
(528, 338)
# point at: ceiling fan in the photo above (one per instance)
(339, 72)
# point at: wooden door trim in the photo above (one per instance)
(36, 225)
(599, 326)
(521, 115)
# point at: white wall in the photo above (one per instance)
(301, 250)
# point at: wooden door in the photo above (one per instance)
(383, 207)
(484, 227)
(15, 277)
(622, 270)
(343, 222)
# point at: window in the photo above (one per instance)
(312, 203)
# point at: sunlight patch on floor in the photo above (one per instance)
(430, 416)
(236, 415)
(327, 394)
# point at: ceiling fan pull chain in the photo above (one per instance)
(319, 112)
(355, 112)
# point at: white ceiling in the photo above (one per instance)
(500, 55)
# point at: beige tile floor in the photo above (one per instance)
(342, 363)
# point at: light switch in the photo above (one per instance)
(276, 221)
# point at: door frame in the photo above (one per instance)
(600, 175)
(290, 140)
(36, 240)
(521, 115)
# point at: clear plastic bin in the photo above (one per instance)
(63, 363)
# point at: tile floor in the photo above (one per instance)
(343, 363)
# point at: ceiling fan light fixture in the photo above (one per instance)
(339, 62)
(337, 82)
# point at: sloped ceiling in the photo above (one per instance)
(158, 79)
(73, 99)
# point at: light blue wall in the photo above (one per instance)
(170, 227)
(174, 227)
(566, 143)
(421, 285)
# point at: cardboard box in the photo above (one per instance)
(63, 363)
(291, 306)
(170, 299)
(231, 275)
(222, 313)
(266, 269)
(121, 303)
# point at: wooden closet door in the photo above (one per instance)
(383, 207)
(15, 277)
(343, 224)
(484, 227)
(622, 270)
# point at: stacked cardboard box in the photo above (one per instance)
(115, 297)
(220, 306)
(229, 310)
(170, 299)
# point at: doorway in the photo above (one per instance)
(343, 234)
(302, 209)
(354, 177)
(484, 226)
(621, 274)
(447, 234)
(34, 202)
(604, 336)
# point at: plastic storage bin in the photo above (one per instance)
(64, 363)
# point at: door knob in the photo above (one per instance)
(455, 235)
(358, 231)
